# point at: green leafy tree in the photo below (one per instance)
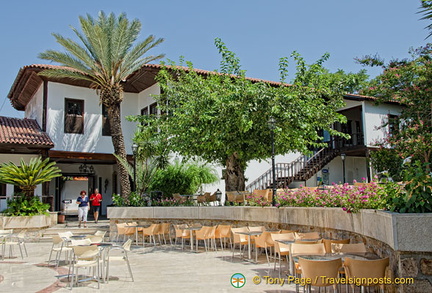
(27, 176)
(407, 82)
(387, 162)
(222, 117)
(108, 54)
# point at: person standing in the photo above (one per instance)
(95, 200)
(83, 204)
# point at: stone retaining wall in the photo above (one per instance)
(405, 238)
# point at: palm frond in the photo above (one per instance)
(107, 54)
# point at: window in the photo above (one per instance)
(393, 124)
(2, 189)
(106, 129)
(153, 109)
(74, 116)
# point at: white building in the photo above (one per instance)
(69, 113)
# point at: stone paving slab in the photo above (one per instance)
(156, 269)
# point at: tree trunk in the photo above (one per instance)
(234, 174)
(119, 146)
(28, 190)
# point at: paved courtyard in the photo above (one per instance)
(156, 269)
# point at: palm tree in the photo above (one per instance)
(106, 57)
(27, 176)
(426, 10)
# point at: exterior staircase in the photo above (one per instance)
(301, 169)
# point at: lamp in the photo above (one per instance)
(134, 151)
(343, 157)
(218, 195)
(88, 169)
(272, 126)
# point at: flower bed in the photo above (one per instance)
(351, 198)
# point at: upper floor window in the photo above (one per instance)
(144, 111)
(393, 124)
(153, 109)
(74, 116)
(106, 129)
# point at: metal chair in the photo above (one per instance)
(59, 245)
(124, 250)
(85, 257)
(9, 240)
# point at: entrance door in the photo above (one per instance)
(68, 188)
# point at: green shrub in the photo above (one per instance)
(416, 194)
(21, 205)
(183, 178)
(133, 200)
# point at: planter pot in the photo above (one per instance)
(61, 218)
(25, 222)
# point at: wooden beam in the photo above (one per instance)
(83, 156)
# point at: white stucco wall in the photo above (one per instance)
(374, 117)
(91, 140)
(145, 98)
(34, 108)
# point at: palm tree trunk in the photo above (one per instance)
(28, 190)
(119, 146)
(234, 174)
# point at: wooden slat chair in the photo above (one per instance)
(243, 195)
(202, 199)
(266, 194)
(232, 196)
(210, 198)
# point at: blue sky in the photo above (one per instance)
(259, 32)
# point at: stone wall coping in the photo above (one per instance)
(402, 232)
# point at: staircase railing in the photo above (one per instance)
(302, 168)
(282, 170)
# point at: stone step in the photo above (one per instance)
(72, 226)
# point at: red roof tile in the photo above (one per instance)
(135, 82)
(23, 132)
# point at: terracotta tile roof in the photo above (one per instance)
(202, 71)
(23, 132)
(28, 81)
